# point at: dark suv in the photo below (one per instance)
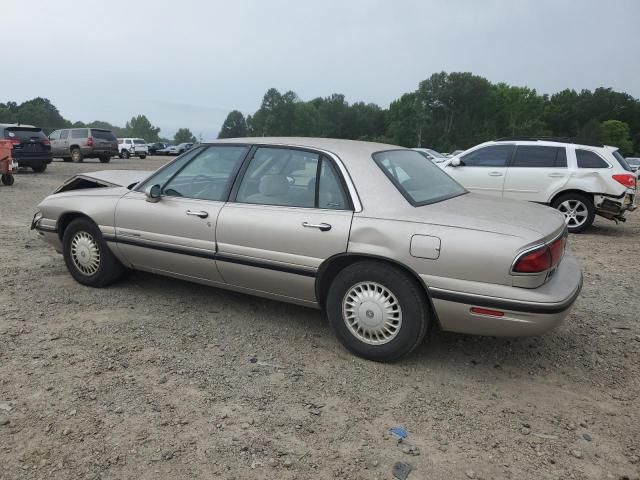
(76, 144)
(31, 147)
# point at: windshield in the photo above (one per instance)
(623, 163)
(420, 181)
(633, 161)
(103, 135)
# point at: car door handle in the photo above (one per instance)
(495, 174)
(323, 227)
(201, 213)
(556, 175)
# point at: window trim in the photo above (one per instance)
(403, 191)
(233, 197)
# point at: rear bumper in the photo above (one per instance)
(615, 207)
(525, 312)
(32, 160)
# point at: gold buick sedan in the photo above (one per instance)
(381, 239)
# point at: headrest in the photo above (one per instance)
(272, 185)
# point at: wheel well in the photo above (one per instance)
(65, 219)
(330, 268)
(573, 190)
(74, 146)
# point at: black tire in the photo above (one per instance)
(409, 295)
(142, 157)
(66, 159)
(8, 179)
(39, 168)
(125, 154)
(105, 159)
(76, 155)
(574, 198)
(109, 268)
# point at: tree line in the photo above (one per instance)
(42, 113)
(446, 112)
(450, 111)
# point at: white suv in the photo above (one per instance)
(581, 181)
(129, 147)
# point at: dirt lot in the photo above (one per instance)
(158, 378)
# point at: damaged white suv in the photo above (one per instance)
(579, 180)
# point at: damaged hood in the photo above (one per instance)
(104, 178)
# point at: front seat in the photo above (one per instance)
(272, 190)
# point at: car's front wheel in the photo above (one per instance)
(143, 156)
(39, 168)
(377, 311)
(125, 154)
(105, 159)
(87, 256)
(578, 210)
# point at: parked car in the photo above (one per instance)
(31, 147)
(164, 151)
(76, 144)
(435, 157)
(132, 147)
(634, 163)
(178, 149)
(383, 241)
(155, 147)
(581, 181)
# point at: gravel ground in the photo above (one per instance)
(158, 378)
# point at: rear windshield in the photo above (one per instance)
(418, 179)
(623, 163)
(137, 141)
(24, 133)
(103, 135)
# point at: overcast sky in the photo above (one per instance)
(189, 62)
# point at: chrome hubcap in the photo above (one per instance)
(85, 253)
(372, 313)
(575, 212)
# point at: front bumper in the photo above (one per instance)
(524, 312)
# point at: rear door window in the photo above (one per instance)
(533, 156)
(64, 134)
(589, 159)
(79, 133)
(491, 156)
(138, 141)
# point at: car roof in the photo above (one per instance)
(340, 147)
(5, 125)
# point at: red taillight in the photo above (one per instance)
(487, 311)
(557, 250)
(626, 179)
(15, 141)
(535, 261)
(90, 142)
(46, 141)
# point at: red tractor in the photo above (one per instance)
(7, 166)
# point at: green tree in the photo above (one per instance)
(183, 135)
(234, 126)
(140, 127)
(41, 113)
(616, 133)
(590, 132)
(404, 126)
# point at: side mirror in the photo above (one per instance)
(456, 162)
(153, 193)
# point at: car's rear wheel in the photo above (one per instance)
(105, 159)
(76, 155)
(39, 168)
(66, 159)
(578, 210)
(142, 157)
(125, 154)
(87, 256)
(377, 310)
